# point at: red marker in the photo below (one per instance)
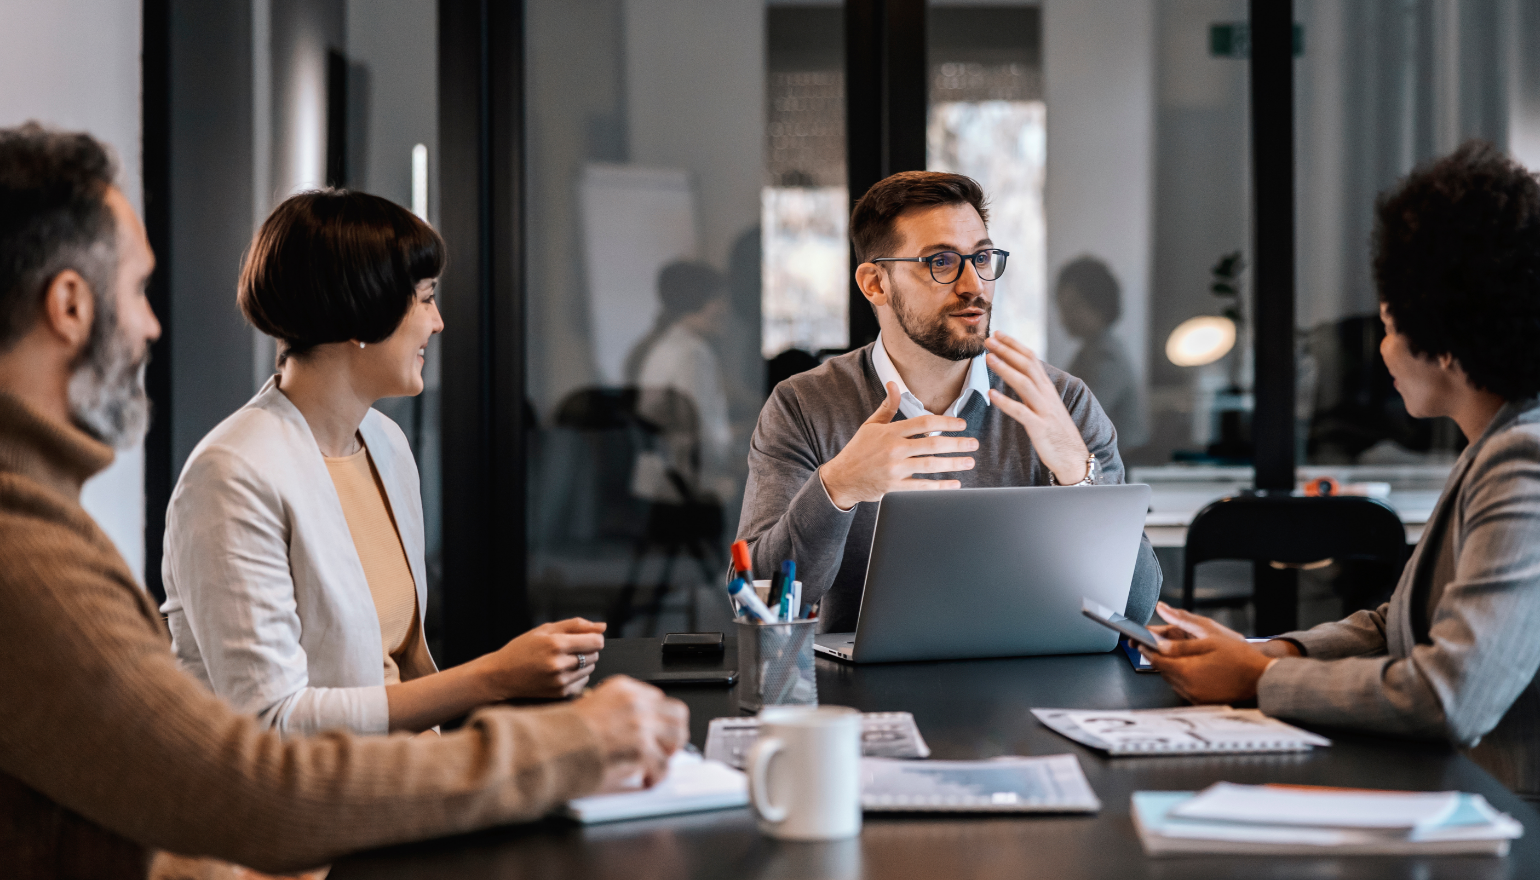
(741, 563)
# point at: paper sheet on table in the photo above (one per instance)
(1320, 807)
(1012, 784)
(693, 784)
(883, 735)
(1474, 828)
(1188, 729)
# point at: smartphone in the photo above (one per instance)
(692, 644)
(718, 677)
(1113, 620)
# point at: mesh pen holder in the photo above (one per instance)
(775, 664)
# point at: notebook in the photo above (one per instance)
(693, 784)
(1275, 820)
(1050, 784)
(1184, 730)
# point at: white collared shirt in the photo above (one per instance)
(908, 404)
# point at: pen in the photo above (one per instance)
(777, 589)
(742, 565)
(794, 588)
(743, 568)
(788, 569)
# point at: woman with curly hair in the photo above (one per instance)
(1454, 653)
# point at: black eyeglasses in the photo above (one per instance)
(946, 266)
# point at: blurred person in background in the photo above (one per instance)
(677, 356)
(1090, 302)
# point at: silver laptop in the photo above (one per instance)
(994, 573)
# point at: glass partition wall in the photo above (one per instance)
(685, 220)
(685, 217)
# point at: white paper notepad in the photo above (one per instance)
(692, 785)
(1320, 807)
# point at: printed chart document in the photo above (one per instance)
(883, 735)
(1051, 784)
(1185, 730)
(693, 785)
(1301, 820)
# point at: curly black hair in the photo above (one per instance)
(1457, 265)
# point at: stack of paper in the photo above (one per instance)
(693, 784)
(1303, 820)
(883, 735)
(1051, 784)
(1187, 730)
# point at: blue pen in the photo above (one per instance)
(788, 569)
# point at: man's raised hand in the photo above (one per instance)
(885, 455)
(1040, 410)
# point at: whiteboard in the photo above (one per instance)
(635, 221)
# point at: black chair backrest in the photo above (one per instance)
(1293, 531)
(597, 409)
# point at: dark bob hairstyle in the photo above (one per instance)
(1457, 264)
(873, 218)
(333, 266)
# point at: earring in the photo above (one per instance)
(360, 345)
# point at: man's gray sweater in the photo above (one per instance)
(811, 416)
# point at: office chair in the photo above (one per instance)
(1282, 534)
(631, 428)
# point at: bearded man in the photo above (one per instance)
(935, 402)
(109, 751)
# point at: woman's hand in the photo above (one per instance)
(544, 661)
(1186, 625)
(1207, 662)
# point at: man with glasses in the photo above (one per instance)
(935, 402)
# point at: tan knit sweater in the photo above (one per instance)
(107, 749)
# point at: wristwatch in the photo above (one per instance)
(1090, 473)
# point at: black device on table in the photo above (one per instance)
(719, 677)
(679, 649)
(692, 644)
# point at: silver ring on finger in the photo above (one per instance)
(582, 661)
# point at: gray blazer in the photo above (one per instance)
(1454, 652)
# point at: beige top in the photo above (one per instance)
(380, 550)
(106, 748)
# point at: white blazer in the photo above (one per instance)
(265, 595)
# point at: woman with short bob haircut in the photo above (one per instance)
(294, 565)
(1454, 654)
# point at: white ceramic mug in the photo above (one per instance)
(805, 772)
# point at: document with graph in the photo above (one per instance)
(1049, 784)
(1186, 730)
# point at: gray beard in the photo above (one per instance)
(107, 398)
(935, 337)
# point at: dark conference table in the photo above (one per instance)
(969, 709)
